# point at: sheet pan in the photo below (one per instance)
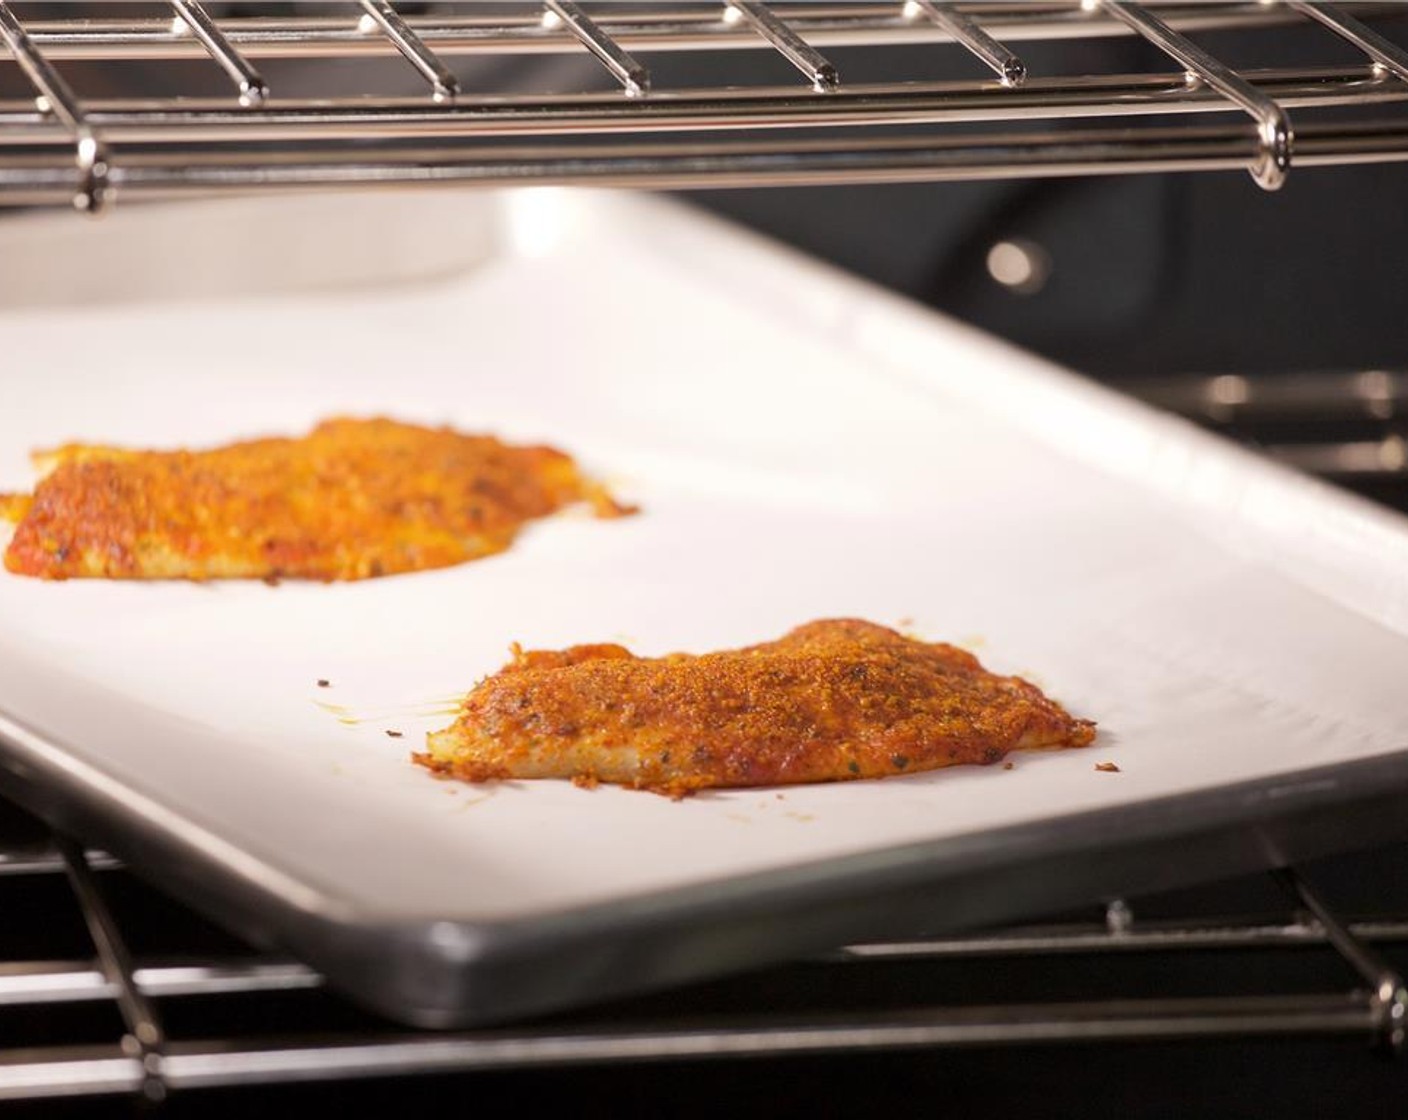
(803, 446)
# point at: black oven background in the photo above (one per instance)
(1138, 277)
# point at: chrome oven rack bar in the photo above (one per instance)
(1348, 426)
(56, 148)
(150, 1061)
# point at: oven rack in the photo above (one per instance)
(1350, 426)
(149, 1061)
(56, 147)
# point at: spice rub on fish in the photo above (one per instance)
(830, 701)
(354, 498)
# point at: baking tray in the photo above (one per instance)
(803, 446)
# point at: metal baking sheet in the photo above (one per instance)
(803, 446)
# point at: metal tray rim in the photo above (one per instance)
(451, 974)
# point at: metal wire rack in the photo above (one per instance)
(143, 1057)
(1343, 425)
(56, 147)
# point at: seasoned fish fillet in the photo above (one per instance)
(354, 498)
(830, 701)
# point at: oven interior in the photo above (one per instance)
(1199, 203)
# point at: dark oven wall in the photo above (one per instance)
(1142, 276)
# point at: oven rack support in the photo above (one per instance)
(57, 148)
(150, 1063)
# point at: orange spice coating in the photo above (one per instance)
(830, 701)
(353, 499)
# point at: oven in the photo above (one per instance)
(1199, 204)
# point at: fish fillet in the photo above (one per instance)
(830, 701)
(353, 499)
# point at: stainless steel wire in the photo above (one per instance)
(654, 26)
(151, 1063)
(247, 79)
(163, 146)
(57, 99)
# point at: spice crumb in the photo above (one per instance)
(393, 734)
(1008, 765)
(1107, 768)
(323, 682)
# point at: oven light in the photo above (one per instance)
(1019, 266)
